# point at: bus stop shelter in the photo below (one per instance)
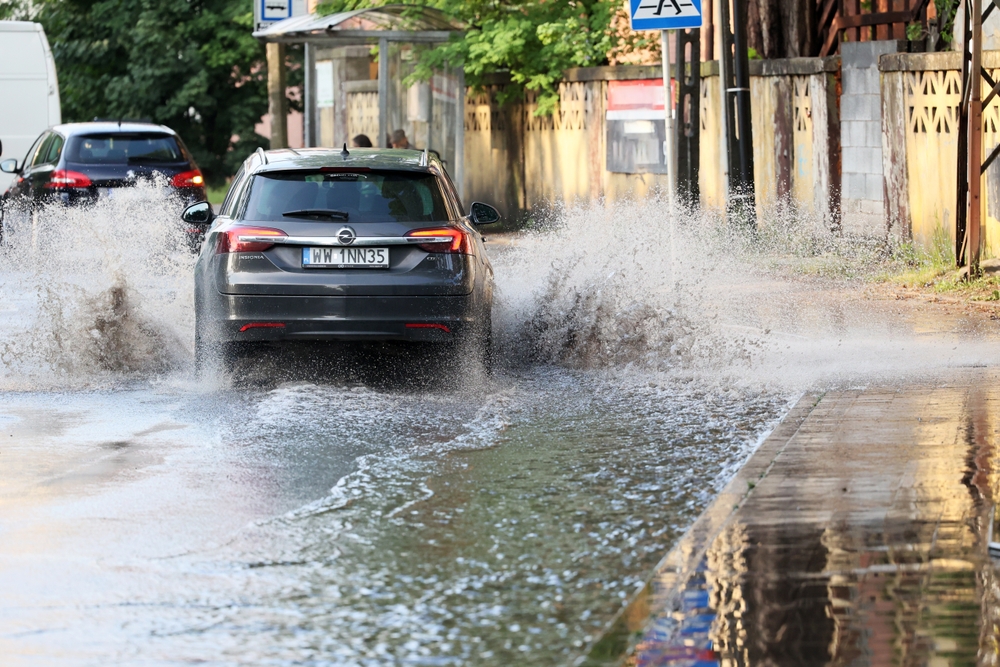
(431, 112)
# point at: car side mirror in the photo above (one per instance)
(483, 214)
(9, 166)
(198, 214)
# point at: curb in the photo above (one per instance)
(664, 586)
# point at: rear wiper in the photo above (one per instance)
(317, 213)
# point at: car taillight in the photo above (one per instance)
(452, 239)
(64, 178)
(188, 179)
(248, 239)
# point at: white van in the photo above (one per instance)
(28, 88)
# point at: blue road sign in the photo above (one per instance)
(275, 10)
(664, 14)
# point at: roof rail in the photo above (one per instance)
(262, 154)
(423, 158)
(122, 120)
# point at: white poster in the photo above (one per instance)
(324, 83)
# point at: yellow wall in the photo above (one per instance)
(920, 109)
(520, 161)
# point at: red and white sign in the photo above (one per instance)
(638, 99)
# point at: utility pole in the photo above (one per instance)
(735, 71)
(975, 138)
(970, 167)
(687, 119)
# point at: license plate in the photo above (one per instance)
(345, 258)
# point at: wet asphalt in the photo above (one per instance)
(344, 523)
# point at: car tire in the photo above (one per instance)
(477, 345)
(200, 352)
(487, 355)
(233, 356)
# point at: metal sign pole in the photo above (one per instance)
(663, 16)
(669, 150)
(309, 96)
(383, 94)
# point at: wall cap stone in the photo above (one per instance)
(777, 67)
(362, 86)
(628, 72)
(794, 66)
(932, 62)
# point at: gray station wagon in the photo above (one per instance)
(334, 245)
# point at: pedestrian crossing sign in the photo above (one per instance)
(664, 14)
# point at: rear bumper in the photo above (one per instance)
(275, 318)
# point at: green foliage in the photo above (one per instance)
(946, 18)
(752, 54)
(13, 10)
(914, 31)
(189, 64)
(534, 41)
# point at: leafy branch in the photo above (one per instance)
(533, 41)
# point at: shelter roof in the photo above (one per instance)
(412, 23)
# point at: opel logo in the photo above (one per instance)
(346, 236)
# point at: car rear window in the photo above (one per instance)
(367, 196)
(121, 148)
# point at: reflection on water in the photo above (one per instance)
(864, 545)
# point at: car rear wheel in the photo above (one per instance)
(200, 352)
(476, 345)
(487, 354)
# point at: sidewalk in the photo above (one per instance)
(855, 535)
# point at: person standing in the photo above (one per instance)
(399, 139)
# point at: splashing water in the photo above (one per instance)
(102, 295)
(624, 286)
(96, 294)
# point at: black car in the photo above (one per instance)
(331, 245)
(79, 163)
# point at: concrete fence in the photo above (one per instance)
(920, 98)
(524, 162)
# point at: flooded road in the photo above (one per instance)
(148, 516)
(343, 525)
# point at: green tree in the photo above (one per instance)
(535, 41)
(189, 64)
